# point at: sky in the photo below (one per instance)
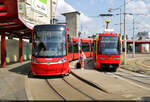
(91, 23)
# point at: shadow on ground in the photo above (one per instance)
(23, 69)
(47, 77)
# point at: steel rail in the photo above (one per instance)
(55, 91)
(79, 90)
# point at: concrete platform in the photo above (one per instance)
(12, 81)
(112, 85)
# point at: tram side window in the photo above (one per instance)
(91, 44)
(85, 47)
(75, 47)
(70, 50)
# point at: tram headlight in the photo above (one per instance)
(102, 58)
(116, 58)
(62, 60)
(35, 61)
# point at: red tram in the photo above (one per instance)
(107, 51)
(86, 46)
(75, 43)
(52, 49)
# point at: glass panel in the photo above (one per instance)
(75, 47)
(109, 45)
(85, 47)
(49, 44)
(70, 48)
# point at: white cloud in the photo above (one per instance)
(85, 21)
(84, 18)
(144, 27)
(137, 7)
(63, 7)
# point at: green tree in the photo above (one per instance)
(93, 36)
(126, 37)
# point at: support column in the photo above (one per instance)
(3, 50)
(20, 49)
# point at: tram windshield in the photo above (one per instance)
(109, 45)
(49, 44)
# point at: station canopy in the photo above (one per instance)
(10, 22)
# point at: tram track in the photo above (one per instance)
(55, 91)
(128, 77)
(139, 79)
(90, 83)
(67, 91)
(138, 66)
(66, 88)
(79, 90)
(73, 88)
(69, 88)
(139, 75)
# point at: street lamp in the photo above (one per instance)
(110, 10)
(106, 18)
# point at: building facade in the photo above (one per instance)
(73, 23)
(35, 12)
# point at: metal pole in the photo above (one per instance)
(120, 30)
(79, 45)
(107, 25)
(120, 22)
(133, 38)
(51, 12)
(125, 44)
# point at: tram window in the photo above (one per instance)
(70, 48)
(75, 47)
(109, 45)
(91, 47)
(85, 47)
